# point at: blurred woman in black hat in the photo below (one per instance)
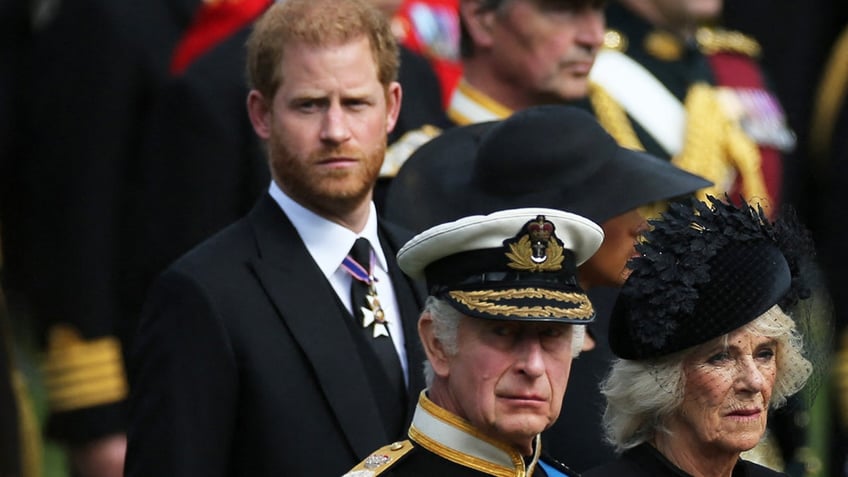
(707, 329)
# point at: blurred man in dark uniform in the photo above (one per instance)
(93, 66)
(829, 152)
(695, 95)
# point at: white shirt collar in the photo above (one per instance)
(327, 241)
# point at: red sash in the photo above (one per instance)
(213, 23)
(427, 27)
(735, 70)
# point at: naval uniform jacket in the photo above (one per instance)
(645, 461)
(443, 444)
(245, 364)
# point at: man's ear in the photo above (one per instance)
(433, 348)
(479, 24)
(394, 96)
(259, 111)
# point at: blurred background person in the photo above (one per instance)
(668, 84)
(89, 70)
(829, 161)
(522, 53)
(514, 54)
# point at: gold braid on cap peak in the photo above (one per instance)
(714, 146)
(483, 301)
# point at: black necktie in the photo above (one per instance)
(369, 316)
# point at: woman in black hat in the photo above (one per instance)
(706, 329)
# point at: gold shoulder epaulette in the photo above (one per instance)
(399, 151)
(615, 40)
(80, 373)
(381, 460)
(716, 40)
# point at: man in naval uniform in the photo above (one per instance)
(667, 84)
(501, 326)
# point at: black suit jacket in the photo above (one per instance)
(244, 366)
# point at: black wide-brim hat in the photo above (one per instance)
(547, 156)
(517, 264)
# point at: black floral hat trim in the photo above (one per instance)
(675, 255)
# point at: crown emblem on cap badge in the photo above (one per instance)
(536, 247)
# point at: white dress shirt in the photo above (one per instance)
(329, 243)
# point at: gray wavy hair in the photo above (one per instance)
(642, 395)
(446, 327)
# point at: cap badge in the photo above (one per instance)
(536, 248)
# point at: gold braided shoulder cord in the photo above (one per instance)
(703, 150)
(613, 118)
(745, 155)
(714, 145)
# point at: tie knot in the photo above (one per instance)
(361, 252)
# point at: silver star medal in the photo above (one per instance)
(373, 313)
